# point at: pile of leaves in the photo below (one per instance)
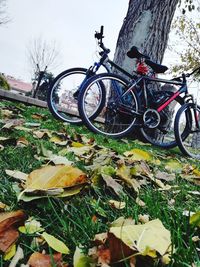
(71, 198)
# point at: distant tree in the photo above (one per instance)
(43, 57)
(188, 32)
(42, 54)
(3, 17)
(3, 83)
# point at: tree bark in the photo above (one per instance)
(146, 25)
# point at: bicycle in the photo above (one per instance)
(64, 89)
(135, 104)
(188, 120)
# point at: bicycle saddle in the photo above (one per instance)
(157, 68)
(135, 53)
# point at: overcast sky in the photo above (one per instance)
(71, 23)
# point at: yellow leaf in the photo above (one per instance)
(138, 154)
(59, 176)
(31, 226)
(147, 238)
(124, 172)
(195, 219)
(173, 166)
(55, 243)
(80, 259)
(10, 253)
(77, 144)
(55, 139)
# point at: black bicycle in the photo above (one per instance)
(64, 89)
(188, 120)
(142, 104)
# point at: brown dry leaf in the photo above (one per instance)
(37, 116)
(59, 176)
(165, 176)
(12, 123)
(22, 141)
(7, 238)
(133, 262)
(41, 260)
(143, 218)
(2, 206)
(6, 113)
(103, 256)
(8, 219)
(42, 133)
(110, 182)
(140, 202)
(117, 204)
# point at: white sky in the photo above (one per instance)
(71, 23)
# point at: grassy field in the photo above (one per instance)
(154, 184)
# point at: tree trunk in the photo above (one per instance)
(146, 25)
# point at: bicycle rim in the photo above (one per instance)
(61, 100)
(163, 135)
(115, 119)
(188, 118)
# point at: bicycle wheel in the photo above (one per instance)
(188, 119)
(61, 100)
(163, 134)
(117, 116)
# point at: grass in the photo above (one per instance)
(71, 219)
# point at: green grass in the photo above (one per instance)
(70, 219)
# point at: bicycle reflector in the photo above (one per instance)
(142, 68)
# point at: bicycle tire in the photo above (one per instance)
(188, 117)
(111, 120)
(163, 135)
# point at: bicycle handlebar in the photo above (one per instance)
(99, 36)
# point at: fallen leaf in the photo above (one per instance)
(140, 202)
(18, 256)
(195, 219)
(8, 219)
(59, 176)
(165, 176)
(55, 243)
(31, 226)
(124, 172)
(10, 253)
(22, 141)
(17, 175)
(42, 260)
(12, 123)
(103, 255)
(117, 204)
(110, 182)
(146, 239)
(8, 238)
(173, 166)
(80, 259)
(138, 154)
(143, 218)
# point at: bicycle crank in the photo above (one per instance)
(151, 118)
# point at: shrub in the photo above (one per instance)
(3, 83)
